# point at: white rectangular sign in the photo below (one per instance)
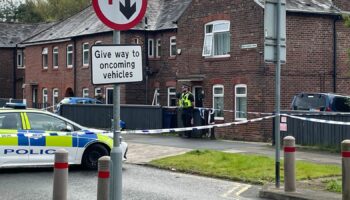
(116, 64)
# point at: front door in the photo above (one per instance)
(14, 148)
(109, 97)
(198, 96)
(48, 134)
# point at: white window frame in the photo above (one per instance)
(45, 97)
(170, 94)
(85, 92)
(19, 57)
(69, 53)
(84, 50)
(150, 48)
(240, 96)
(209, 38)
(54, 54)
(155, 101)
(219, 95)
(136, 41)
(171, 44)
(55, 94)
(45, 58)
(158, 48)
(98, 93)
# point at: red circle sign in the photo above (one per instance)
(120, 14)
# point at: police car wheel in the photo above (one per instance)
(92, 154)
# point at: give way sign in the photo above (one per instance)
(120, 14)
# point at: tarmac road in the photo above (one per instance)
(139, 183)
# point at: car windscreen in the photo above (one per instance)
(341, 104)
(312, 102)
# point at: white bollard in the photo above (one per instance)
(60, 175)
(103, 178)
(289, 164)
(345, 151)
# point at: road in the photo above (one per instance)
(139, 183)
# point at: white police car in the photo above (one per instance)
(30, 137)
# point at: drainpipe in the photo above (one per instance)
(146, 58)
(336, 18)
(14, 85)
(75, 67)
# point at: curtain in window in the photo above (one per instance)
(222, 43)
(208, 44)
(219, 105)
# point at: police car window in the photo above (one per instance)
(10, 121)
(45, 122)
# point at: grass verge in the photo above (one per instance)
(240, 167)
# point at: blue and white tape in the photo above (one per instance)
(317, 120)
(174, 130)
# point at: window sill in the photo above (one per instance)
(218, 58)
(20, 67)
(70, 67)
(55, 69)
(219, 120)
(172, 58)
(240, 119)
(44, 69)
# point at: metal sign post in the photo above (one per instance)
(275, 51)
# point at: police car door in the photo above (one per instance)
(49, 134)
(13, 141)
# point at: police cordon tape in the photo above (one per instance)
(213, 109)
(317, 120)
(173, 130)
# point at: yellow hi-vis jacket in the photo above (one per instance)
(184, 102)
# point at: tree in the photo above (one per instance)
(28, 13)
(8, 10)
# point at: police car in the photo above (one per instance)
(30, 137)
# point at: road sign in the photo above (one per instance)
(116, 64)
(120, 14)
(270, 21)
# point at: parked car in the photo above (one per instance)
(321, 102)
(77, 100)
(30, 137)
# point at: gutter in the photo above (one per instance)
(14, 73)
(75, 67)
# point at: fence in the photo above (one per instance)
(100, 116)
(318, 134)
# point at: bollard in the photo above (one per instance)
(289, 164)
(103, 178)
(345, 151)
(60, 175)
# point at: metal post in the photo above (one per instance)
(289, 164)
(278, 90)
(116, 153)
(345, 148)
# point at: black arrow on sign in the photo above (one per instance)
(127, 10)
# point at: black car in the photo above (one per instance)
(321, 102)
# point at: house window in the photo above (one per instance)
(45, 98)
(85, 54)
(136, 41)
(54, 98)
(44, 54)
(172, 46)
(217, 39)
(172, 96)
(70, 56)
(98, 92)
(85, 92)
(150, 48)
(241, 102)
(55, 57)
(159, 48)
(218, 101)
(20, 59)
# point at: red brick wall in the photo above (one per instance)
(6, 72)
(342, 4)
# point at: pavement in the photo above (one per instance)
(144, 148)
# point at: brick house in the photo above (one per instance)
(215, 46)
(11, 56)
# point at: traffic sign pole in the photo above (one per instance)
(116, 152)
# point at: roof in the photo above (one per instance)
(14, 33)
(160, 15)
(309, 6)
